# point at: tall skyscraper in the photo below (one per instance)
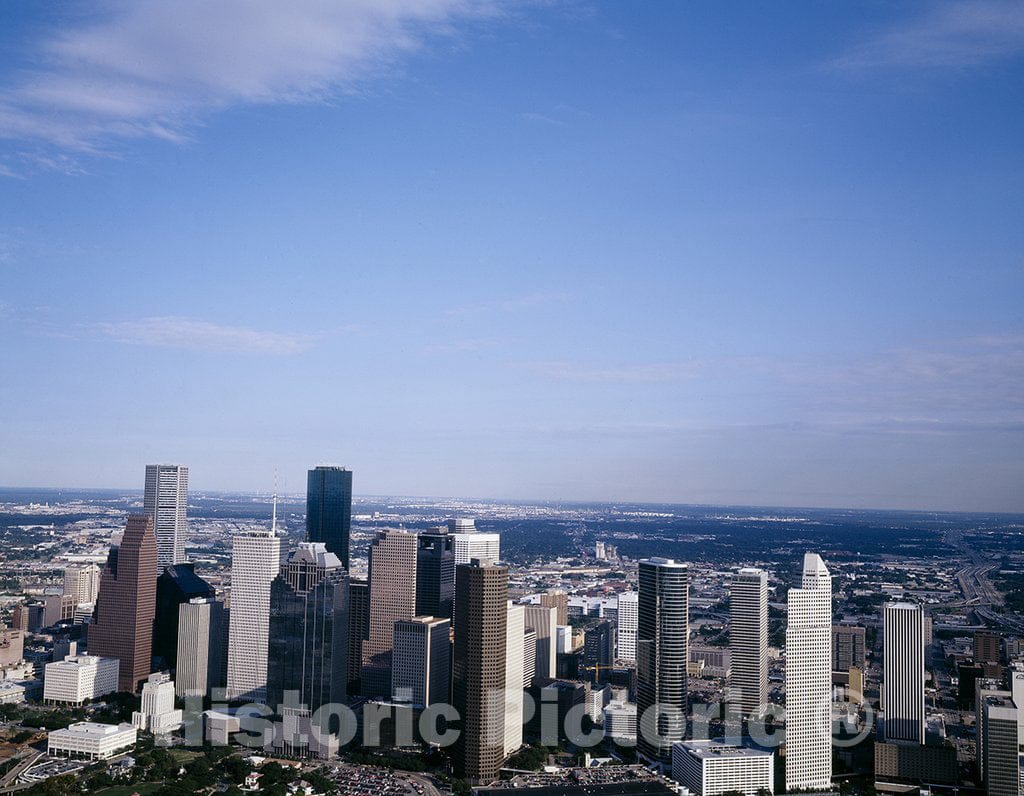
(847, 648)
(903, 673)
(435, 574)
(202, 647)
(468, 543)
(392, 577)
(748, 639)
(626, 620)
(358, 630)
(598, 651)
(663, 627)
(515, 636)
(478, 674)
(82, 582)
(255, 562)
(422, 661)
(166, 503)
(544, 622)
(809, 679)
(556, 598)
(308, 647)
(329, 509)
(177, 584)
(122, 626)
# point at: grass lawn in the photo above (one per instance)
(183, 756)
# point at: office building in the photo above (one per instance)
(255, 562)
(912, 764)
(598, 650)
(58, 608)
(176, 585)
(308, 641)
(468, 543)
(329, 509)
(903, 673)
(748, 640)
(529, 654)
(12, 646)
(82, 582)
(544, 622)
(620, 722)
(435, 574)
(166, 503)
(202, 647)
(156, 712)
(661, 651)
(626, 619)
(809, 679)
(515, 633)
(481, 617)
(123, 624)
(420, 674)
(392, 578)
(79, 678)
(556, 598)
(358, 630)
(710, 768)
(987, 646)
(847, 648)
(86, 740)
(999, 719)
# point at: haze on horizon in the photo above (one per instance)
(657, 253)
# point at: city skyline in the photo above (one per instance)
(637, 253)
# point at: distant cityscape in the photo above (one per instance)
(435, 646)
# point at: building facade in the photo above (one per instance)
(903, 673)
(435, 574)
(176, 585)
(255, 562)
(626, 620)
(420, 675)
(392, 579)
(329, 509)
(748, 640)
(80, 678)
(166, 503)
(710, 768)
(202, 647)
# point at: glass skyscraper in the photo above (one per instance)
(329, 509)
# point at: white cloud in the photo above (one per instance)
(950, 34)
(199, 335)
(155, 69)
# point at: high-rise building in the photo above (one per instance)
(556, 598)
(358, 630)
(598, 651)
(468, 543)
(79, 678)
(529, 656)
(626, 632)
(809, 679)
(515, 633)
(435, 574)
(748, 639)
(255, 562)
(202, 647)
(122, 627)
(478, 673)
(156, 711)
(544, 622)
(176, 585)
(392, 578)
(661, 656)
(903, 673)
(421, 669)
(987, 646)
(847, 648)
(999, 719)
(308, 642)
(166, 503)
(82, 582)
(329, 509)
(12, 646)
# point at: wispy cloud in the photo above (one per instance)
(199, 335)
(627, 373)
(950, 34)
(467, 345)
(155, 70)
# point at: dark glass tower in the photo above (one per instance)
(329, 509)
(308, 638)
(435, 575)
(177, 584)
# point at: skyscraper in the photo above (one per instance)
(358, 630)
(82, 582)
(123, 622)
(847, 648)
(748, 639)
(469, 543)
(556, 598)
(478, 674)
(308, 642)
(166, 503)
(661, 656)
(435, 574)
(177, 584)
(255, 562)
(329, 509)
(598, 651)
(515, 636)
(202, 647)
(422, 661)
(903, 673)
(544, 622)
(809, 679)
(626, 619)
(392, 578)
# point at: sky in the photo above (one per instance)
(746, 253)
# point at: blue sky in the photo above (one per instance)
(754, 253)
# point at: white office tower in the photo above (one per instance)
(255, 562)
(710, 768)
(626, 627)
(529, 656)
(468, 543)
(748, 639)
(421, 661)
(809, 679)
(79, 678)
(620, 722)
(82, 583)
(201, 639)
(166, 503)
(515, 631)
(563, 643)
(156, 713)
(903, 673)
(544, 622)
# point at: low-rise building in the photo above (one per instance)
(91, 741)
(79, 678)
(709, 768)
(620, 722)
